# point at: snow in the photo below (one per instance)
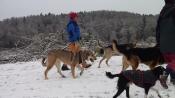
(26, 80)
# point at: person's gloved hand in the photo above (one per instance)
(79, 38)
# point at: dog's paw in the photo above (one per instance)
(81, 73)
(109, 75)
(46, 78)
(74, 77)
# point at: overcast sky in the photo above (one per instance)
(16, 8)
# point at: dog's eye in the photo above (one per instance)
(164, 73)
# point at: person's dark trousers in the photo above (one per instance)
(64, 67)
(171, 72)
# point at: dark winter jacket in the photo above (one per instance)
(73, 31)
(140, 78)
(165, 30)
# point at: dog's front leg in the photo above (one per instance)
(156, 92)
(73, 71)
(101, 62)
(82, 70)
(127, 92)
(146, 91)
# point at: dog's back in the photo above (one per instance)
(122, 48)
(144, 79)
(102, 50)
(145, 54)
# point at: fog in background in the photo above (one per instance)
(18, 8)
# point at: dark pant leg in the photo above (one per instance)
(168, 70)
(171, 72)
(172, 76)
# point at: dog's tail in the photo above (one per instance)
(43, 62)
(111, 76)
(114, 45)
(98, 43)
(99, 49)
(134, 45)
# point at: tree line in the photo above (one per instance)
(102, 25)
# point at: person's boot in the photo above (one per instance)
(172, 81)
(64, 67)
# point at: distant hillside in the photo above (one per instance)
(38, 33)
(104, 25)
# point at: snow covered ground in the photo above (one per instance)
(26, 80)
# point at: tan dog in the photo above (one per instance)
(55, 57)
(109, 51)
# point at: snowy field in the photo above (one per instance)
(26, 80)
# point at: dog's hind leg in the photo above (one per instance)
(134, 62)
(125, 64)
(146, 91)
(101, 62)
(58, 65)
(107, 61)
(120, 90)
(135, 66)
(50, 62)
(153, 64)
(46, 71)
(156, 92)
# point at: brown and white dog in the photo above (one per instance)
(55, 57)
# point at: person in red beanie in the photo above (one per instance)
(73, 32)
(74, 35)
(165, 36)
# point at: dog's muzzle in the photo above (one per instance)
(85, 65)
(91, 60)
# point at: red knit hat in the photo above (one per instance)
(72, 15)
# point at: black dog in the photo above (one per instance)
(144, 79)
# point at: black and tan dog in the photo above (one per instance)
(108, 51)
(133, 56)
(144, 79)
